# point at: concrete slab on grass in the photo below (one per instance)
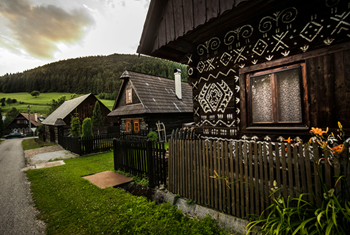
(107, 179)
(49, 164)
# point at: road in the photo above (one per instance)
(17, 214)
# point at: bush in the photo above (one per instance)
(75, 126)
(35, 93)
(152, 135)
(87, 128)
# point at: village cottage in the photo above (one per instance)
(257, 68)
(260, 71)
(58, 122)
(20, 124)
(145, 101)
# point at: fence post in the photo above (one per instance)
(150, 171)
(115, 154)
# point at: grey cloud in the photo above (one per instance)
(39, 28)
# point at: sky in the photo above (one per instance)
(37, 32)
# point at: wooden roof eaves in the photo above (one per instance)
(155, 9)
(205, 30)
(119, 93)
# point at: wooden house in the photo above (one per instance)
(58, 122)
(257, 68)
(145, 100)
(20, 124)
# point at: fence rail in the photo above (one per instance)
(87, 145)
(142, 158)
(252, 167)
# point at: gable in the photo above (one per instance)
(122, 97)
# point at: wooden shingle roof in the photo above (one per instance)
(64, 110)
(157, 95)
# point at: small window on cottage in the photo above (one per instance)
(129, 96)
(275, 96)
(128, 126)
(136, 126)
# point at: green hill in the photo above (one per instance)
(93, 74)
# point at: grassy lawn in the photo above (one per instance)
(34, 143)
(39, 104)
(70, 204)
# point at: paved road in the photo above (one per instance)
(17, 214)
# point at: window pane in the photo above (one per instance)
(261, 99)
(289, 98)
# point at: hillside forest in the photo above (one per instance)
(94, 74)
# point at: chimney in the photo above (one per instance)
(36, 116)
(178, 92)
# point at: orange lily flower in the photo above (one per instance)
(318, 131)
(289, 140)
(337, 149)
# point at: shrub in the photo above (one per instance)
(87, 128)
(152, 135)
(75, 126)
(35, 93)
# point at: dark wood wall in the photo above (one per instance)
(329, 89)
(86, 109)
(122, 99)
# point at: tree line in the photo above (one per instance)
(93, 74)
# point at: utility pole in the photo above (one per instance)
(30, 124)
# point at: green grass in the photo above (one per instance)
(69, 204)
(34, 143)
(39, 104)
(1, 141)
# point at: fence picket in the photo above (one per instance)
(215, 150)
(237, 152)
(211, 172)
(318, 189)
(296, 172)
(241, 178)
(290, 171)
(227, 170)
(251, 182)
(265, 177)
(256, 179)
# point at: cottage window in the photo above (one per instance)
(275, 96)
(128, 127)
(129, 96)
(136, 126)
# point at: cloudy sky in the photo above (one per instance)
(37, 32)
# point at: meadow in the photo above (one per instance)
(39, 104)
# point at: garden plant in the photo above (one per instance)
(331, 214)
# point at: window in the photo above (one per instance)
(132, 126)
(275, 96)
(136, 126)
(129, 96)
(128, 127)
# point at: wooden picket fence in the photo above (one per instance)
(250, 168)
(143, 159)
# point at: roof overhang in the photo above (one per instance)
(178, 49)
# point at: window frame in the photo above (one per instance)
(275, 124)
(128, 97)
(127, 124)
(136, 123)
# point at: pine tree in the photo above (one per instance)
(75, 126)
(97, 120)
